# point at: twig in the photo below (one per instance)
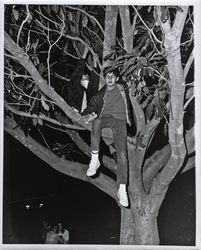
(188, 101)
(40, 13)
(189, 84)
(188, 64)
(181, 44)
(19, 104)
(73, 38)
(51, 46)
(90, 16)
(61, 77)
(42, 117)
(43, 137)
(151, 31)
(28, 42)
(24, 21)
(24, 94)
(94, 34)
(158, 73)
(67, 53)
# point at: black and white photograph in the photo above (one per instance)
(100, 129)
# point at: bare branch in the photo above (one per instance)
(50, 48)
(24, 21)
(149, 30)
(75, 38)
(43, 137)
(90, 16)
(179, 21)
(188, 64)
(15, 75)
(72, 169)
(23, 58)
(48, 19)
(67, 53)
(42, 117)
(188, 102)
(91, 31)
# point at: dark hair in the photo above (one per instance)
(107, 70)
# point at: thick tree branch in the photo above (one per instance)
(166, 27)
(24, 21)
(175, 132)
(138, 113)
(127, 28)
(72, 169)
(84, 147)
(158, 160)
(179, 21)
(24, 60)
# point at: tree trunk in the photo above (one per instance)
(139, 226)
(127, 229)
(127, 28)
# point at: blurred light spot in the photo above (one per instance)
(41, 204)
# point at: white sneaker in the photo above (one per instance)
(123, 197)
(93, 166)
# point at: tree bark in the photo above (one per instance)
(127, 28)
(177, 85)
(139, 223)
(127, 228)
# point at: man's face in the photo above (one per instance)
(110, 79)
(85, 81)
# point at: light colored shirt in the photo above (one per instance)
(52, 238)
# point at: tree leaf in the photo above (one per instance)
(40, 121)
(45, 106)
(35, 121)
(16, 14)
(55, 8)
(143, 61)
(84, 21)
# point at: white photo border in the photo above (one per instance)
(197, 91)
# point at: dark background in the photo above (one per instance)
(91, 216)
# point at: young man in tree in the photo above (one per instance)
(109, 109)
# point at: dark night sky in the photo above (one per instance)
(91, 215)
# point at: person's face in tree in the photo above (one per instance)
(110, 79)
(85, 80)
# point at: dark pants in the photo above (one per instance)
(120, 141)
